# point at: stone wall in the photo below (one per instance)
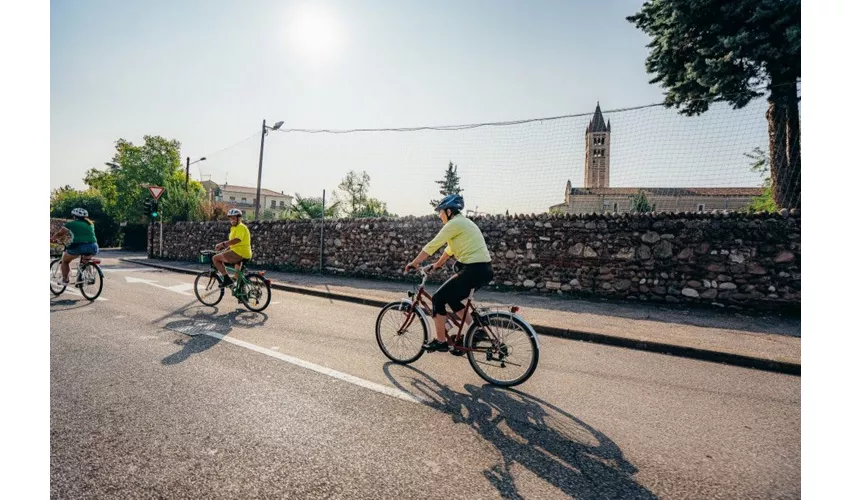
(729, 259)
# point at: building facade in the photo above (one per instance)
(597, 195)
(244, 198)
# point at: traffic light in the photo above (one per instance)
(152, 208)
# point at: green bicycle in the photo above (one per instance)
(252, 289)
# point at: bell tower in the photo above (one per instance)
(597, 160)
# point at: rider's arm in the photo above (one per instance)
(447, 232)
(443, 259)
(228, 243)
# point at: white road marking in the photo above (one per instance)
(176, 288)
(351, 379)
(129, 270)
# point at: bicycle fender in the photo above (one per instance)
(429, 325)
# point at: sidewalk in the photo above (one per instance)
(754, 340)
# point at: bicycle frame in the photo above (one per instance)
(468, 311)
(236, 291)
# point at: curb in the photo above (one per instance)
(762, 364)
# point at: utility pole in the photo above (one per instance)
(276, 126)
(260, 173)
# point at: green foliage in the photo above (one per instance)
(715, 50)
(763, 202)
(63, 200)
(155, 162)
(450, 184)
(640, 203)
(372, 207)
(310, 208)
(176, 204)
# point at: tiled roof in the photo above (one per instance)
(671, 191)
(249, 190)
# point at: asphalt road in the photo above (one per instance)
(154, 395)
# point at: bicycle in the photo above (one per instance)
(252, 289)
(491, 354)
(89, 277)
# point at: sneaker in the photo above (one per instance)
(435, 346)
(226, 281)
(61, 283)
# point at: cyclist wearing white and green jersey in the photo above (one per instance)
(83, 241)
(466, 244)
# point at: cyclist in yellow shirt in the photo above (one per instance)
(466, 244)
(239, 243)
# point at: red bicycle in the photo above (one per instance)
(501, 346)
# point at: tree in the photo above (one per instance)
(639, 203)
(213, 210)
(450, 184)
(763, 202)
(177, 204)
(372, 207)
(311, 208)
(718, 51)
(354, 200)
(155, 162)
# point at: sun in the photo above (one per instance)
(314, 32)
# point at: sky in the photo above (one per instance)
(207, 72)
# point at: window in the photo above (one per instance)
(274, 203)
(244, 200)
(653, 207)
(232, 198)
(700, 207)
(616, 208)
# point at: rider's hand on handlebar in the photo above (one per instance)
(410, 265)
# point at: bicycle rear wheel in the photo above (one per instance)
(207, 288)
(258, 293)
(508, 352)
(91, 281)
(55, 277)
(402, 345)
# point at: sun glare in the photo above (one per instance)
(314, 32)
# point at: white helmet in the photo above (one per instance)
(234, 211)
(80, 212)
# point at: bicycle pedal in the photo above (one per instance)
(456, 352)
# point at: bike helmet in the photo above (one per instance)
(234, 211)
(80, 212)
(451, 201)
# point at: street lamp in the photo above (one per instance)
(187, 169)
(266, 128)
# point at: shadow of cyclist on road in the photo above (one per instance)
(538, 436)
(205, 328)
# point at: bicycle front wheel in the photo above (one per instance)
(207, 288)
(56, 277)
(91, 281)
(257, 292)
(504, 350)
(401, 331)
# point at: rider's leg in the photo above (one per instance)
(228, 257)
(65, 266)
(451, 293)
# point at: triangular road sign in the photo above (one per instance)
(156, 191)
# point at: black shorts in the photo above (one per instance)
(469, 277)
